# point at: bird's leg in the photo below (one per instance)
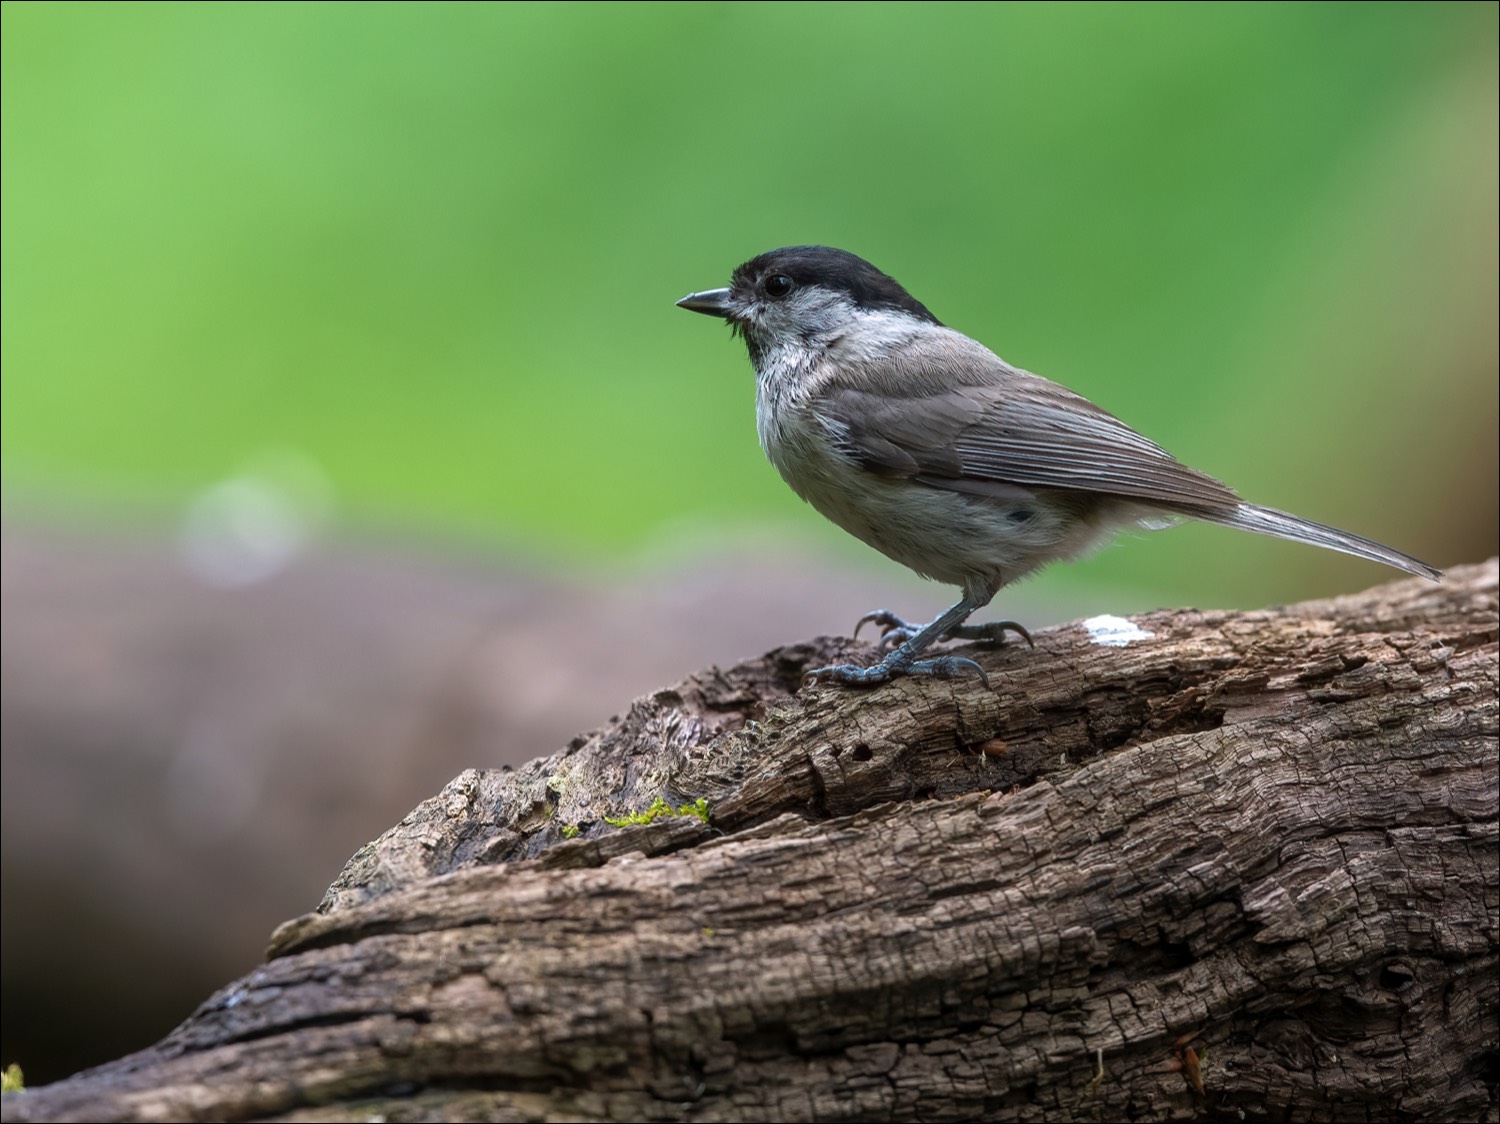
(894, 630)
(904, 661)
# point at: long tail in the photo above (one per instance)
(1268, 521)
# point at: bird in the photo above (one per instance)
(926, 445)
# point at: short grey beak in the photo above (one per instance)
(713, 302)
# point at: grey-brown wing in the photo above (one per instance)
(957, 416)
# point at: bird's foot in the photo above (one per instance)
(897, 663)
(895, 631)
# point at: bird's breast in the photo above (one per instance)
(940, 533)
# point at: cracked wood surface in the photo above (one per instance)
(1245, 868)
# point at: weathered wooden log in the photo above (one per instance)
(1239, 866)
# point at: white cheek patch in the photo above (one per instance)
(1114, 632)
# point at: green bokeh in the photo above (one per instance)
(435, 248)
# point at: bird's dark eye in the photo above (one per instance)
(779, 285)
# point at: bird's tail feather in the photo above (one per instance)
(1268, 521)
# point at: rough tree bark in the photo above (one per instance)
(1242, 867)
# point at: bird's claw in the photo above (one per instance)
(903, 642)
(886, 619)
(992, 632)
(948, 667)
(939, 667)
(895, 631)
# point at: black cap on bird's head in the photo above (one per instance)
(777, 275)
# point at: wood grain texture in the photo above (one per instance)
(1243, 869)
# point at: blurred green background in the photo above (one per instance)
(433, 250)
(415, 265)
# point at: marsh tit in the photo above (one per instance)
(935, 451)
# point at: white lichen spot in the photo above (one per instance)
(1114, 632)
